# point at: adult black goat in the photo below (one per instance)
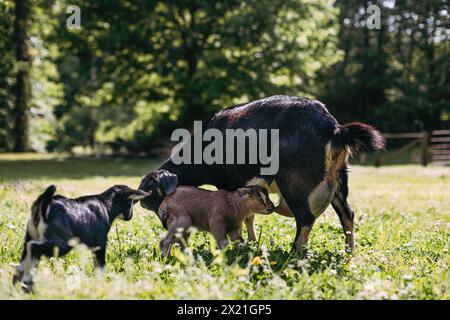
(313, 159)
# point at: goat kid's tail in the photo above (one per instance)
(41, 204)
(357, 136)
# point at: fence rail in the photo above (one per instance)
(440, 147)
(434, 146)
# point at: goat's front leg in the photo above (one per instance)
(249, 223)
(164, 244)
(236, 235)
(100, 258)
(176, 225)
(29, 264)
(220, 235)
(302, 236)
(303, 217)
(20, 269)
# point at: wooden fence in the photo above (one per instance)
(440, 147)
(434, 146)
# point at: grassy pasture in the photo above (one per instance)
(402, 235)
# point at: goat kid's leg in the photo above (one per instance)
(177, 228)
(236, 235)
(100, 259)
(220, 235)
(20, 269)
(29, 264)
(35, 250)
(222, 243)
(171, 238)
(249, 224)
(165, 243)
(183, 241)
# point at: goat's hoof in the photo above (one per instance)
(28, 286)
(164, 253)
(301, 251)
(223, 245)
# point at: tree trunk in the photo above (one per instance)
(22, 85)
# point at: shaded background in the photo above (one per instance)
(138, 69)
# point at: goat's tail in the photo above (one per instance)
(41, 204)
(358, 136)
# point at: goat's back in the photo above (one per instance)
(199, 204)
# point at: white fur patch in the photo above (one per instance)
(321, 196)
(274, 191)
(263, 196)
(37, 232)
(29, 264)
(257, 182)
(323, 193)
(137, 197)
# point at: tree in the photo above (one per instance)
(6, 76)
(162, 64)
(398, 72)
(22, 85)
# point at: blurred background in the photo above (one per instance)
(138, 69)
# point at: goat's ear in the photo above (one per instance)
(168, 182)
(138, 195)
(243, 191)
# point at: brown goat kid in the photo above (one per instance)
(219, 212)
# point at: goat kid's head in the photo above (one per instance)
(123, 199)
(256, 199)
(159, 183)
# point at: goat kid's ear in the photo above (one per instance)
(139, 195)
(168, 181)
(243, 191)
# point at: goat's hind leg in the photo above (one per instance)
(236, 235)
(35, 250)
(170, 239)
(220, 236)
(344, 211)
(178, 226)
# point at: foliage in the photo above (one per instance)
(136, 70)
(398, 72)
(402, 232)
(149, 66)
(6, 76)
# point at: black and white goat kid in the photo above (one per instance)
(55, 220)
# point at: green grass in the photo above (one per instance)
(402, 235)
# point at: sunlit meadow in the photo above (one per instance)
(402, 235)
